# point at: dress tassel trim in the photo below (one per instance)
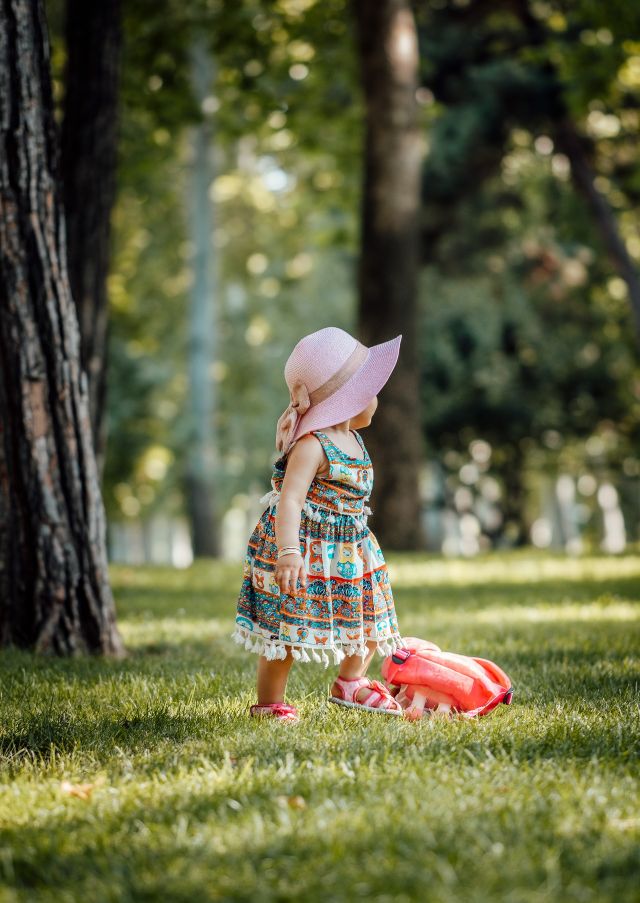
(277, 649)
(269, 499)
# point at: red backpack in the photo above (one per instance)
(422, 676)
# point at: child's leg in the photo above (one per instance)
(272, 678)
(353, 666)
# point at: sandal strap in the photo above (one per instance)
(349, 686)
(378, 693)
(377, 700)
(278, 709)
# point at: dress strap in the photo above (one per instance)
(334, 452)
(365, 453)
(360, 443)
(327, 445)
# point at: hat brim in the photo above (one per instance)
(354, 396)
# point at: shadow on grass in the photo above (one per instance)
(563, 717)
(542, 647)
(194, 846)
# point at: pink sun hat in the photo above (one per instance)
(331, 377)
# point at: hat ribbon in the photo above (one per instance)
(300, 399)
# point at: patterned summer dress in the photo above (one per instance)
(348, 599)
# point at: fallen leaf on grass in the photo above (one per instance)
(81, 791)
(294, 802)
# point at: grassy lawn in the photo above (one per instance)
(191, 801)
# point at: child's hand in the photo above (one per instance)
(290, 569)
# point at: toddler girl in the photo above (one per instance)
(315, 585)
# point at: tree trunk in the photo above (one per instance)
(200, 493)
(388, 271)
(515, 529)
(88, 166)
(572, 145)
(54, 584)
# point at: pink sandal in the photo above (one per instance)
(279, 710)
(378, 700)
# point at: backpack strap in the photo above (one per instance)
(392, 665)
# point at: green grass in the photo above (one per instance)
(194, 802)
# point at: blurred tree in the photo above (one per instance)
(579, 149)
(501, 230)
(511, 251)
(201, 465)
(497, 66)
(389, 256)
(93, 38)
(285, 191)
(54, 582)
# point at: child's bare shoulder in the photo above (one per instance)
(307, 454)
(307, 448)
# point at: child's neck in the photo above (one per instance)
(343, 427)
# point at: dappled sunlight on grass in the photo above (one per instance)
(606, 610)
(510, 568)
(191, 800)
(173, 631)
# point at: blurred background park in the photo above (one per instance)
(236, 229)
(226, 178)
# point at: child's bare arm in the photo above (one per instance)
(305, 459)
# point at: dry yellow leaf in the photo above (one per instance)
(80, 791)
(294, 802)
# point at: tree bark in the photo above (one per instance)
(200, 490)
(54, 584)
(93, 31)
(389, 261)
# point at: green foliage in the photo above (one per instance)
(190, 800)
(526, 332)
(146, 381)
(285, 121)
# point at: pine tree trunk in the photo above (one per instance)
(88, 167)
(54, 585)
(200, 489)
(389, 259)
